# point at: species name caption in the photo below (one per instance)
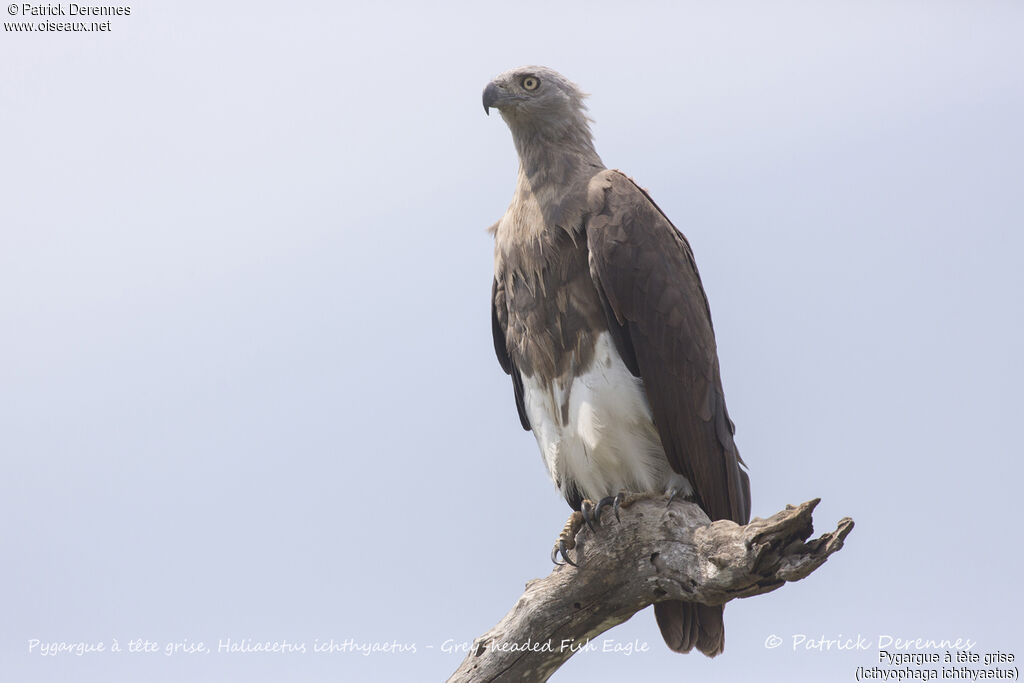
(933, 666)
(330, 646)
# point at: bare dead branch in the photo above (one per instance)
(656, 553)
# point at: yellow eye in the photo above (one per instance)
(531, 83)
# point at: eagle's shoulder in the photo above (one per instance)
(602, 183)
(612, 191)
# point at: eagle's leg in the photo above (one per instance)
(567, 539)
(587, 514)
(590, 514)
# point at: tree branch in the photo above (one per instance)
(656, 553)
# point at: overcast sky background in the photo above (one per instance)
(248, 389)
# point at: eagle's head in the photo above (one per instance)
(538, 102)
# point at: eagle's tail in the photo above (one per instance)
(685, 625)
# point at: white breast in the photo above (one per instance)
(595, 430)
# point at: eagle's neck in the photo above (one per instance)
(555, 167)
(558, 156)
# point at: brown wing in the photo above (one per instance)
(499, 321)
(660, 320)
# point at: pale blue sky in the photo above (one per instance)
(248, 387)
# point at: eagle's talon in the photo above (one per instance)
(561, 549)
(614, 501)
(674, 493)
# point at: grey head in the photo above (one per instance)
(540, 105)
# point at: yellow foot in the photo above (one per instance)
(567, 539)
(590, 514)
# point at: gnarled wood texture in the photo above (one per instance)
(655, 553)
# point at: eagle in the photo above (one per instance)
(600, 318)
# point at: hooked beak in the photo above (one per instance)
(491, 95)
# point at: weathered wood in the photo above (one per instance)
(657, 552)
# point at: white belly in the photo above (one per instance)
(596, 431)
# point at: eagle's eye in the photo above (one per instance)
(531, 83)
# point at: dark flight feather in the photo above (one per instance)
(661, 323)
(501, 350)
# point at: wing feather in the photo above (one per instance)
(499, 321)
(661, 323)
